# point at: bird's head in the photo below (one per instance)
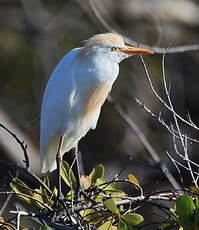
(112, 47)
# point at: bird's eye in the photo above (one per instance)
(114, 48)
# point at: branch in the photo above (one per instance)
(22, 145)
(27, 196)
(183, 141)
(7, 199)
(145, 142)
(162, 101)
(107, 27)
(26, 172)
(2, 223)
(163, 123)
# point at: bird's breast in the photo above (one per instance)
(95, 98)
(94, 81)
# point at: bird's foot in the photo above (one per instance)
(82, 192)
(58, 204)
(59, 200)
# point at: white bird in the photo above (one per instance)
(76, 91)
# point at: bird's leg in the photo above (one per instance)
(59, 193)
(78, 166)
(78, 170)
(59, 161)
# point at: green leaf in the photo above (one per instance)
(68, 175)
(38, 197)
(97, 172)
(70, 195)
(196, 216)
(133, 179)
(164, 225)
(184, 208)
(101, 181)
(19, 186)
(105, 226)
(54, 193)
(197, 203)
(110, 205)
(103, 184)
(43, 227)
(124, 226)
(46, 181)
(121, 225)
(132, 219)
(92, 216)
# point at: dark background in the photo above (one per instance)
(35, 34)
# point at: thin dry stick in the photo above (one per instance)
(178, 163)
(99, 18)
(21, 143)
(107, 27)
(45, 219)
(179, 154)
(3, 224)
(176, 166)
(27, 196)
(162, 101)
(162, 122)
(18, 219)
(189, 165)
(145, 142)
(183, 141)
(26, 172)
(5, 204)
(7, 199)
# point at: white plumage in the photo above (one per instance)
(75, 92)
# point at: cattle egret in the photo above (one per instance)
(75, 93)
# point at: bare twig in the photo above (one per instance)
(183, 141)
(44, 219)
(176, 165)
(145, 142)
(7, 199)
(163, 123)
(180, 164)
(5, 204)
(176, 133)
(18, 219)
(162, 101)
(27, 196)
(171, 130)
(4, 223)
(26, 172)
(22, 145)
(107, 27)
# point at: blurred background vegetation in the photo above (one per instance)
(35, 34)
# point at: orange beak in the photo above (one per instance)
(135, 50)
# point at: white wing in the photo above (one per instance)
(56, 106)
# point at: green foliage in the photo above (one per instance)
(185, 215)
(96, 173)
(97, 205)
(132, 219)
(110, 205)
(68, 175)
(20, 187)
(106, 225)
(100, 203)
(133, 179)
(44, 227)
(184, 208)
